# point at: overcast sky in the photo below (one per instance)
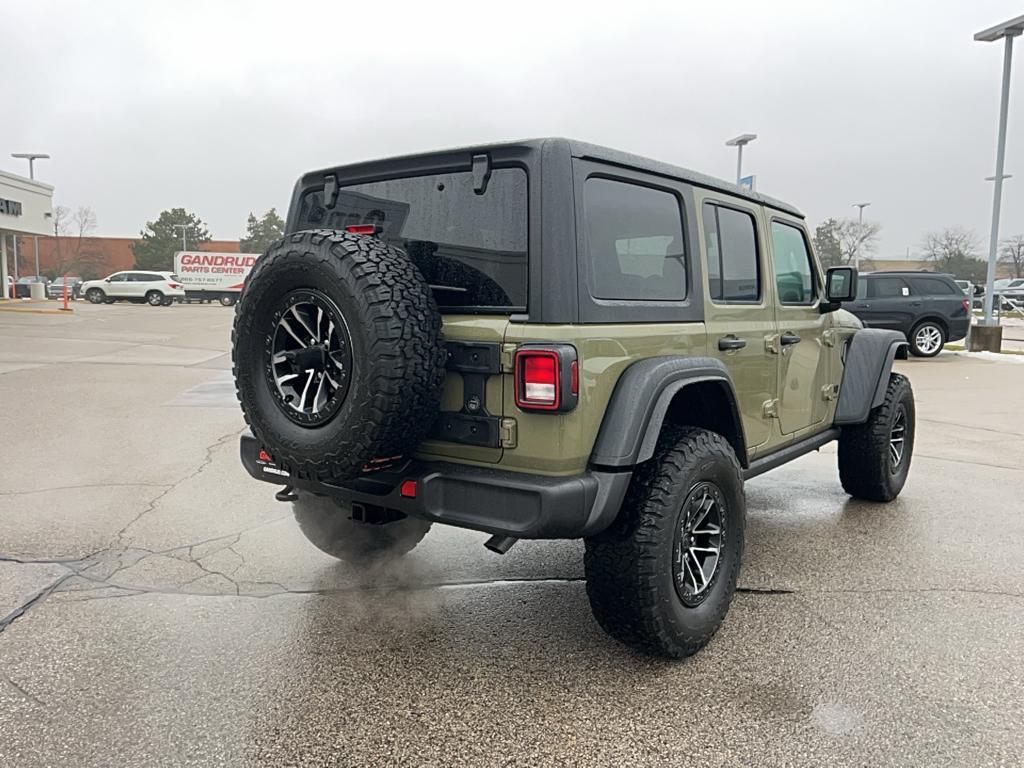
(220, 106)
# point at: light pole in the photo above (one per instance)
(184, 228)
(860, 231)
(32, 157)
(1005, 31)
(740, 142)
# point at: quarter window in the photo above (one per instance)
(730, 239)
(794, 276)
(933, 286)
(634, 242)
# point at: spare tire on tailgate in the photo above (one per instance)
(337, 353)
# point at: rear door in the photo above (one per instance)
(939, 295)
(803, 364)
(887, 303)
(738, 310)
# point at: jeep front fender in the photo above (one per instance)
(642, 395)
(866, 373)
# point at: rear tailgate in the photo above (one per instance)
(471, 424)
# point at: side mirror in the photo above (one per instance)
(106, 280)
(840, 284)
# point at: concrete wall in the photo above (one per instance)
(25, 205)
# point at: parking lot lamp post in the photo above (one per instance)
(740, 142)
(184, 228)
(860, 231)
(1006, 32)
(32, 157)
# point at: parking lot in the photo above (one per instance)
(163, 608)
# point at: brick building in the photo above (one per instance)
(92, 256)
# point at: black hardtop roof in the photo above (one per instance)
(582, 149)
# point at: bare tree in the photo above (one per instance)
(856, 239)
(954, 250)
(1012, 252)
(72, 231)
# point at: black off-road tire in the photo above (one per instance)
(95, 296)
(329, 526)
(629, 566)
(397, 354)
(933, 327)
(867, 468)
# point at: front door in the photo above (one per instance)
(803, 365)
(119, 285)
(738, 311)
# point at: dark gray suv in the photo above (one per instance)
(929, 309)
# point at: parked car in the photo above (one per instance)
(154, 288)
(55, 290)
(432, 343)
(23, 288)
(929, 309)
(1013, 289)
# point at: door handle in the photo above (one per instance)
(915, 303)
(731, 342)
(863, 306)
(789, 338)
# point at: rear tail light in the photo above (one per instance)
(363, 229)
(175, 286)
(967, 306)
(547, 378)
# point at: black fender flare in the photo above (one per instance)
(640, 400)
(866, 373)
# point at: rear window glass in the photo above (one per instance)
(471, 248)
(634, 242)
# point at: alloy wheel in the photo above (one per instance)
(699, 539)
(898, 438)
(310, 357)
(928, 339)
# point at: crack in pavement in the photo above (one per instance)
(20, 689)
(207, 460)
(85, 485)
(77, 567)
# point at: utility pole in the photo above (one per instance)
(31, 157)
(860, 232)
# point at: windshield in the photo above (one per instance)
(470, 247)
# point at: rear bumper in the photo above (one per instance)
(495, 501)
(958, 328)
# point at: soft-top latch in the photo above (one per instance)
(481, 173)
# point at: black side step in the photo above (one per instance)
(795, 450)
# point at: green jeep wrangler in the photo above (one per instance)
(551, 340)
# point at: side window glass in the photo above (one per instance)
(932, 286)
(634, 242)
(730, 240)
(794, 276)
(121, 278)
(888, 288)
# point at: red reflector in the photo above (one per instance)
(264, 456)
(362, 229)
(537, 373)
(574, 374)
(408, 489)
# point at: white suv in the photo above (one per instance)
(154, 288)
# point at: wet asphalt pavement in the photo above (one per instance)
(162, 609)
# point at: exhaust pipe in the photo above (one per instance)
(500, 544)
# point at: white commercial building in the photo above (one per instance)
(26, 208)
